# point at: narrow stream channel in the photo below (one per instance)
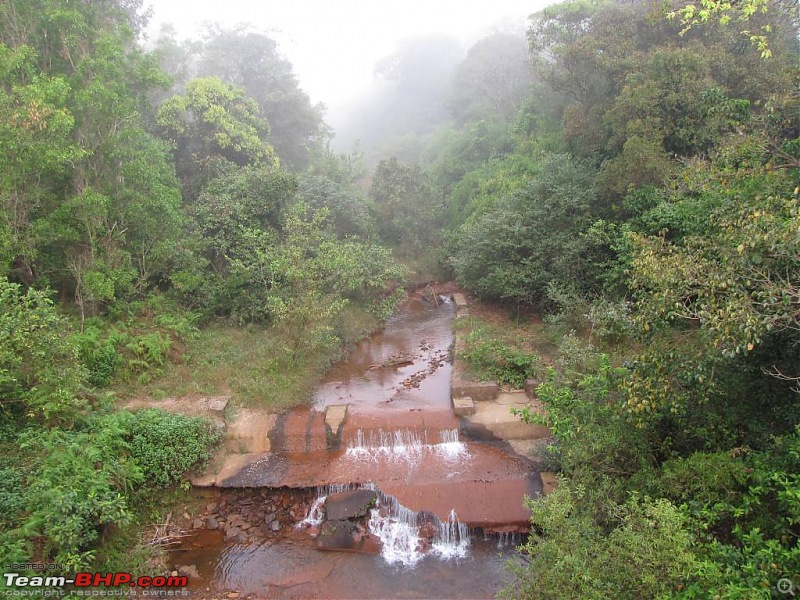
(400, 432)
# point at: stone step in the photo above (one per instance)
(463, 406)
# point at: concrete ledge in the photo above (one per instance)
(477, 390)
(463, 406)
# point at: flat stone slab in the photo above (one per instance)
(349, 505)
(463, 406)
(479, 391)
(496, 417)
(516, 398)
(212, 407)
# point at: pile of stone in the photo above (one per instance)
(249, 515)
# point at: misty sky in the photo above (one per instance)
(334, 44)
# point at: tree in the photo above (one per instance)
(213, 121)
(532, 237)
(493, 80)
(409, 211)
(251, 61)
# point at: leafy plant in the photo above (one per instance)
(166, 445)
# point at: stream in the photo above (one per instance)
(400, 439)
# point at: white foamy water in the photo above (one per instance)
(399, 532)
(404, 445)
(315, 514)
(452, 540)
(398, 529)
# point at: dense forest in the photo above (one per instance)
(629, 173)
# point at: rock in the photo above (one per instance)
(244, 526)
(270, 517)
(339, 536)
(350, 505)
(174, 573)
(371, 545)
(197, 524)
(211, 507)
(189, 571)
(231, 532)
(232, 595)
(275, 526)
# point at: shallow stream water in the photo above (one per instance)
(401, 433)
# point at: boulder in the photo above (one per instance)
(350, 505)
(339, 536)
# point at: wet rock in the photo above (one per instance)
(371, 544)
(350, 505)
(189, 571)
(339, 536)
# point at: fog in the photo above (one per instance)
(334, 46)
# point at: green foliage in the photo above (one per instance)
(644, 550)
(253, 61)
(38, 365)
(165, 445)
(408, 211)
(514, 248)
(12, 496)
(214, 120)
(79, 488)
(494, 359)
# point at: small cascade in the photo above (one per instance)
(315, 514)
(398, 444)
(406, 536)
(453, 538)
(404, 445)
(450, 447)
(505, 539)
(396, 527)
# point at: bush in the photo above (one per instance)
(79, 488)
(166, 445)
(645, 552)
(491, 358)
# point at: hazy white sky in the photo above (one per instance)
(334, 44)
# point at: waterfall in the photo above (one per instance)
(399, 528)
(452, 540)
(399, 531)
(405, 445)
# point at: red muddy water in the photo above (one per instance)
(400, 436)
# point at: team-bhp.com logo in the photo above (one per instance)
(95, 580)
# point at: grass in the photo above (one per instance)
(507, 347)
(258, 366)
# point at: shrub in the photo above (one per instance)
(495, 359)
(166, 445)
(645, 552)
